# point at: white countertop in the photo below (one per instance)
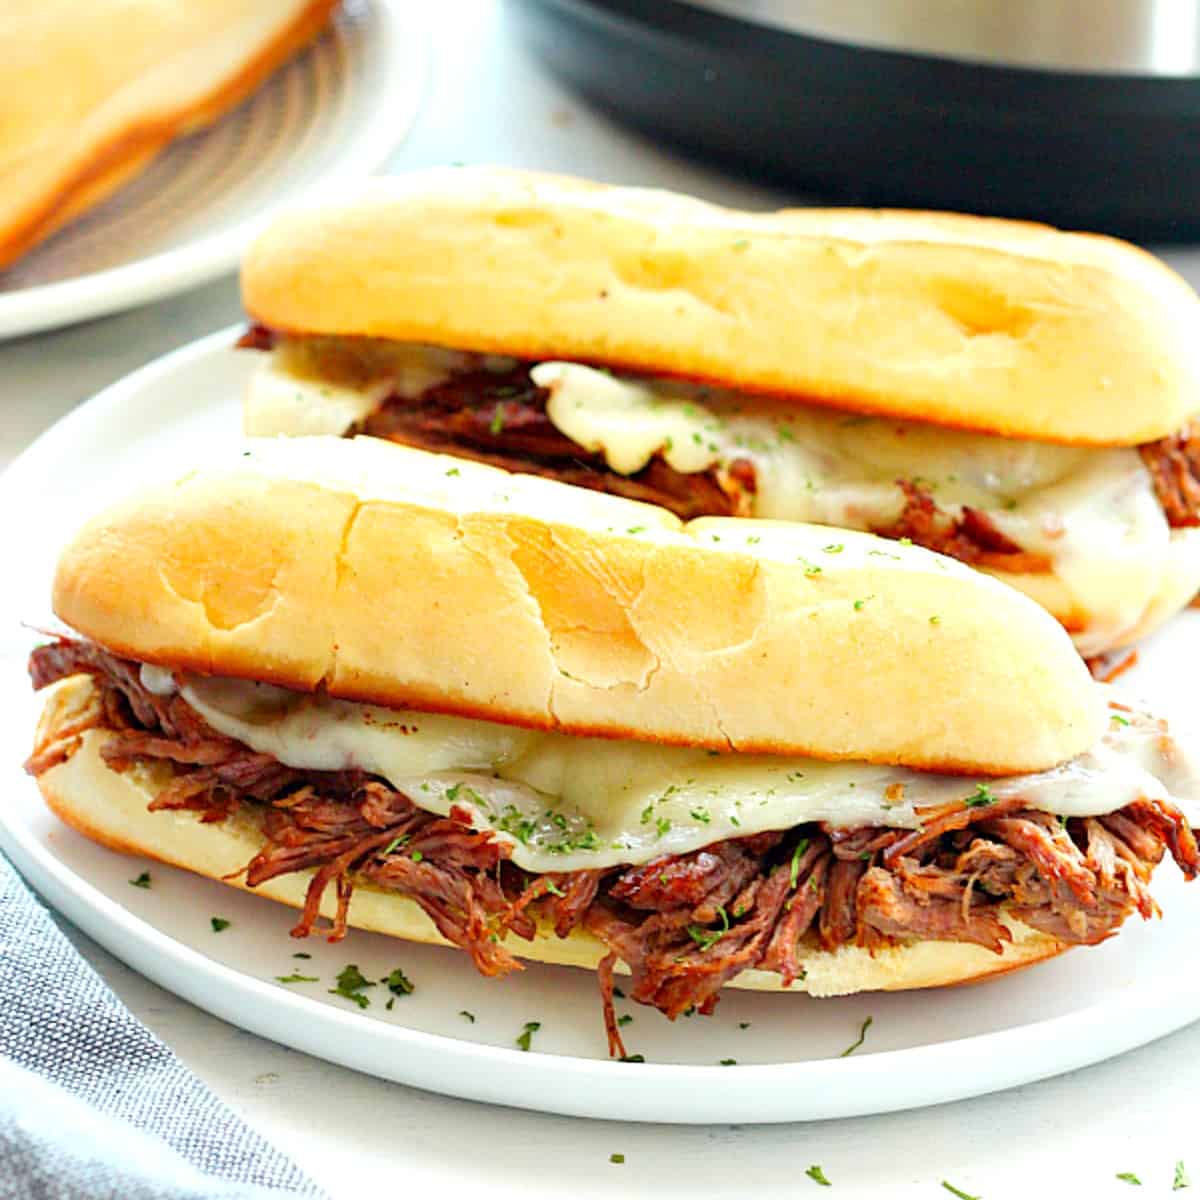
(489, 101)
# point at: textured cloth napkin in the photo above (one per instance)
(92, 1105)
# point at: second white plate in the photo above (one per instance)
(457, 1032)
(336, 111)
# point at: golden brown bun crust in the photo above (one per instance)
(100, 92)
(407, 579)
(111, 809)
(1000, 326)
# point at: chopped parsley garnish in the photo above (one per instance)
(861, 603)
(935, 620)
(663, 825)
(636, 529)
(632, 1058)
(469, 1016)
(398, 841)
(616, 1158)
(810, 568)
(531, 1027)
(1129, 1177)
(398, 983)
(297, 979)
(1118, 720)
(862, 1037)
(351, 983)
(753, 541)
(417, 856)
(959, 1192)
(743, 1024)
(698, 814)
(625, 1019)
(797, 855)
(727, 1062)
(1181, 1179)
(707, 938)
(553, 888)
(981, 797)
(497, 421)
(620, 995)
(218, 924)
(142, 881)
(834, 548)
(817, 1175)
(301, 954)
(454, 471)
(647, 813)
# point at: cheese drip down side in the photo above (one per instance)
(568, 803)
(1092, 513)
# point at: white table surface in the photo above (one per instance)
(490, 101)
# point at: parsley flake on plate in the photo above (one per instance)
(959, 1192)
(142, 881)
(351, 983)
(398, 983)
(817, 1175)
(862, 1037)
(219, 924)
(531, 1027)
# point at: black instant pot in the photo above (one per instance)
(1085, 113)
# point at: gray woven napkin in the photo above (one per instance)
(92, 1105)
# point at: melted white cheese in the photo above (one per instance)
(1092, 512)
(570, 803)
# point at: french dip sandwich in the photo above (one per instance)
(1019, 398)
(94, 91)
(426, 697)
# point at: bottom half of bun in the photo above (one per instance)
(112, 807)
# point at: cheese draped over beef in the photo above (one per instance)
(1092, 513)
(567, 803)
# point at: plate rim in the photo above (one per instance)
(571, 1085)
(404, 41)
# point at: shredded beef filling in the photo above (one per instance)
(1174, 465)
(685, 924)
(972, 538)
(501, 419)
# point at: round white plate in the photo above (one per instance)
(921, 1048)
(334, 112)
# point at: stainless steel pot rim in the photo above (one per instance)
(1156, 38)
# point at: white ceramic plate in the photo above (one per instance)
(334, 112)
(921, 1047)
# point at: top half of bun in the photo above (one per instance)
(389, 575)
(986, 324)
(93, 90)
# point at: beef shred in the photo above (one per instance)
(1174, 465)
(683, 925)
